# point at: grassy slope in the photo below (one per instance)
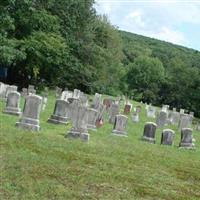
(47, 166)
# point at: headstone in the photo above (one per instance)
(31, 113)
(83, 99)
(135, 117)
(151, 112)
(96, 101)
(120, 124)
(92, 117)
(12, 104)
(185, 121)
(76, 93)
(10, 88)
(161, 119)
(167, 137)
(31, 89)
(114, 110)
(127, 108)
(79, 118)
(174, 117)
(107, 103)
(182, 111)
(61, 112)
(58, 92)
(186, 139)
(99, 121)
(149, 132)
(24, 92)
(138, 109)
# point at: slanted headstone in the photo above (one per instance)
(31, 113)
(167, 137)
(61, 112)
(182, 111)
(79, 118)
(3, 88)
(114, 110)
(12, 104)
(161, 119)
(149, 132)
(92, 117)
(186, 139)
(44, 101)
(120, 125)
(198, 126)
(135, 117)
(76, 93)
(138, 109)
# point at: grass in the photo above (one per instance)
(45, 165)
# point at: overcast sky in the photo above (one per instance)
(176, 21)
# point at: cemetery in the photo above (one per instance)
(60, 146)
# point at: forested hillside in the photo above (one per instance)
(65, 43)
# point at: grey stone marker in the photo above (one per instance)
(174, 117)
(31, 113)
(151, 111)
(114, 110)
(92, 117)
(31, 89)
(24, 92)
(182, 111)
(79, 118)
(186, 139)
(44, 101)
(161, 119)
(149, 132)
(135, 117)
(184, 122)
(61, 112)
(12, 104)
(96, 101)
(58, 92)
(120, 124)
(10, 88)
(167, 137)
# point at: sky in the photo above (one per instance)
(175, 21)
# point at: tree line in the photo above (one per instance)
(66, 43)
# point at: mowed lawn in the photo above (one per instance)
(45, 165)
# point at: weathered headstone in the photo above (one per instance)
(12, 104)
(114, 110)
(96, 101)
(138, 109)
(149, 132)
(120, 125)
(184, 122)
(76, 93)
(161, 119)
(135, 117)
(79, 118)
(24, 92)
(31, 113)
(92, 117)
(151, 112)
(31, 89)
(61, 112)
(99, 121)
(167, 137)
(107, 103)
(186, 139)
(10, 88)
(58, 92)
(198, 126)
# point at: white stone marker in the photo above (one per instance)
(92, 117)
(120, 124)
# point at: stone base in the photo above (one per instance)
(187, 146)
(150, 140)
(12, 111)
(58, 120)
(27, 126)
(119, 133)
(91, 127)
(75, 134)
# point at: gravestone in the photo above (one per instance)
(135, 117)
(96, 101)
(10, 88)
(151, 112)
(92, 117)
(76, 93)
(61, 112)
(44, 101)
(184, 122)
(31, 113)
(138, 109)
(99, 121)
(114, 110)
(107, 103)
(58, 92)
(24, 92)
(167, 137)
(174, 117)
(120, 124)
(149, 132)
(161, 119)
(12, 104)
(186, 139)
(127, 108)
(31, 89)
(79, 118)
(182, 111)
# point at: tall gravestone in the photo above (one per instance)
(167, 137)
(92, 117)
(10, 88)
(114, 110)
(61, 112)
(79, 118)
(12, 104)
(186, 139)
(31, 113)
(135, 117)
(161, 119)
(149, 132)
(151, 111)
(120, 124)
(184, 121)
(96, 101)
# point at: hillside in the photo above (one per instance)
(45, 165)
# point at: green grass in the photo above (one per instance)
(45, 165)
